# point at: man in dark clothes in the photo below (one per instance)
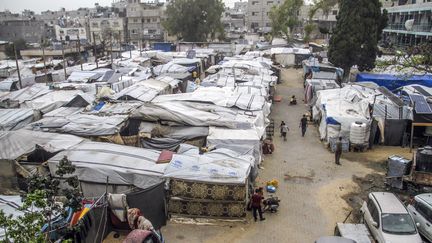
(338, 151)
(303, 125)
(256, 204)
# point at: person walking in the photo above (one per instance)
(338, 150)
(257, 198)
(303, 125)
(282, 123)
(284, 130)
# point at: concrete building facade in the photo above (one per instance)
(101, 27)
(144, 21)
(410, 22)
(32, 31)
(234, 19)
(258, 12)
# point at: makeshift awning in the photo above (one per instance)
(115, 164)
(14, 144)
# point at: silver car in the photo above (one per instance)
(388, 219)
(421, 211)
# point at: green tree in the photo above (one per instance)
(284, 18)
(40, 205)
(325, 6)
(355, 38)
(194, 20)
(20, 44)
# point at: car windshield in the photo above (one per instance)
(398, 224)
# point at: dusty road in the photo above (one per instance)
(312, 188)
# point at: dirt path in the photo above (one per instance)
(312, 188)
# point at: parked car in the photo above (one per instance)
(388, 219)
(421, 210)
(334, 239)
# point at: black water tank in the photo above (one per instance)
(424, 159)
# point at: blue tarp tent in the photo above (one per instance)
(393, 82)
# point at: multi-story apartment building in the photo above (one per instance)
(233, 19)
(322, 20)
(114, 26)
(30, 30)
(145, 21)
(410, 22)
(258, 12)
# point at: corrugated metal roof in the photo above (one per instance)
(10, 118)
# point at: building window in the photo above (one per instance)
(95, 25)
(254, 2)
(135, 20)
(255, 13)
(335, 12)
(116, 24)
(269, 2)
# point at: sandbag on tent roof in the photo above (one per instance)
(102, 163)
(393, 82)
(14, 144)
(14, 119)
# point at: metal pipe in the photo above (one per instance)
(95, 50)
(44, 62)
(17, 66)
(64, 59)
(79, 52)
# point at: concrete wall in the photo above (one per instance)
(31, 31)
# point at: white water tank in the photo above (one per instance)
(358, 133)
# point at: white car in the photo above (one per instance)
(388, 219)
(421, 211)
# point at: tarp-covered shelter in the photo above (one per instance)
(118, 165)
(393, 82)
(14, 119)
(211, 185)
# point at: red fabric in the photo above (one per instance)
(165, 157)
(137, 236)
(256, 200)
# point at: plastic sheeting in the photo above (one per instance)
(241, 141)
(170, 68)
(217, 96)
(82, 124)
(393, 82)
(26, 94)
(52, 100)
(213, 167)
(14, 119)
(120, 165)
(14, 144)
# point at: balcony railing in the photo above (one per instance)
(415, 28)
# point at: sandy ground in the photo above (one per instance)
(315, 193)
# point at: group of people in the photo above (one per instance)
(303, 125)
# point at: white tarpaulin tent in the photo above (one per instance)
(14, 144)
(82, 124)
(240, 141)
(101, 163)
(14, 119)
(52, 100)
(212, 167)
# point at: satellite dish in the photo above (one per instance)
(409, 24)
